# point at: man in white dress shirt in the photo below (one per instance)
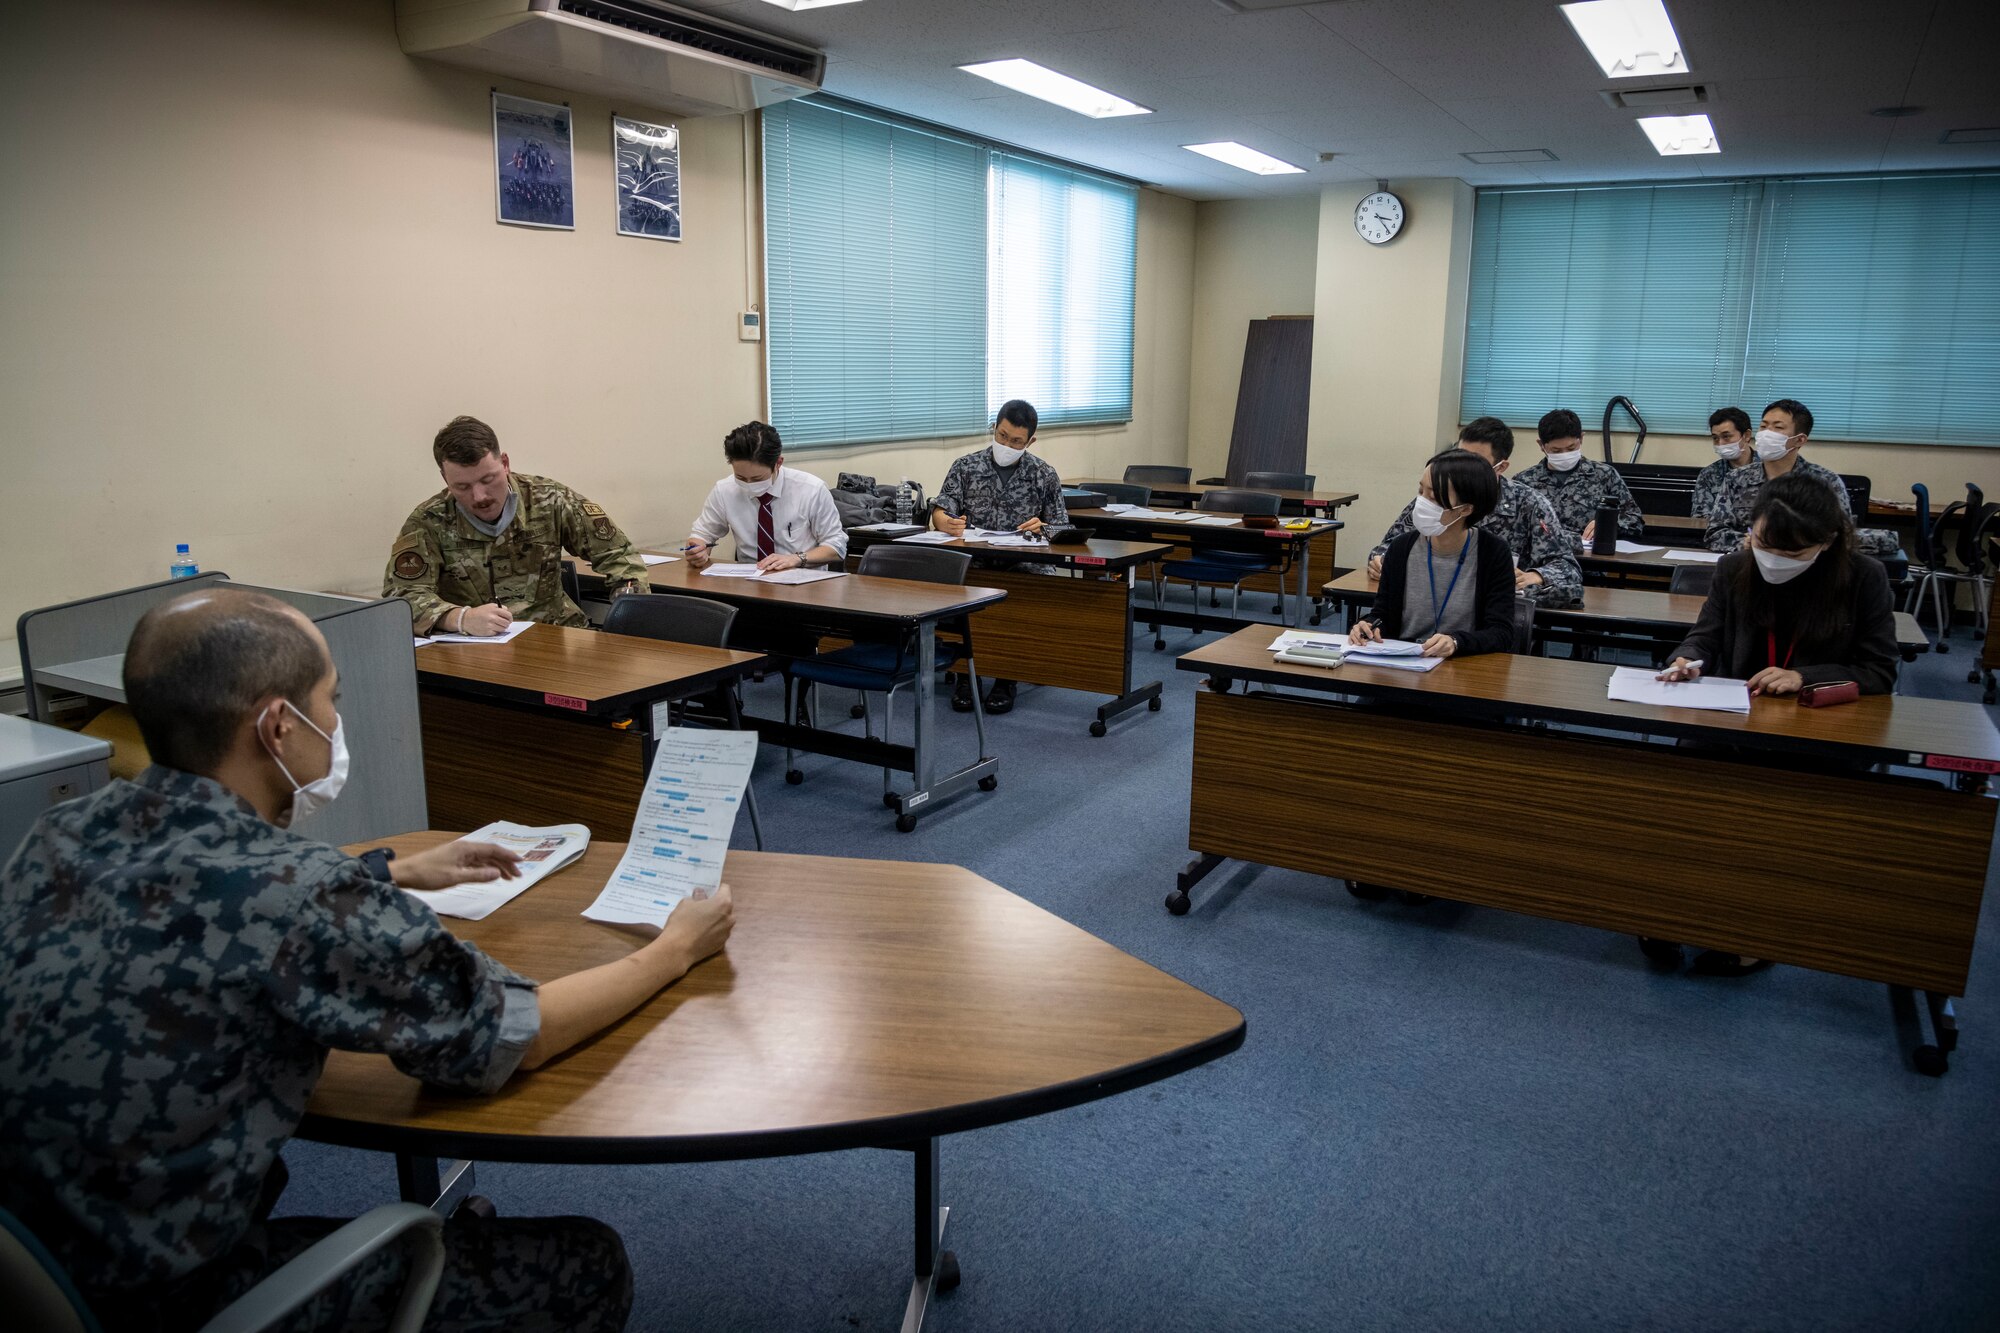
(781, 517)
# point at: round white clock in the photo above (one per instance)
(1378, 218)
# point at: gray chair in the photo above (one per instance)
(1279, 481)
(1693, 580)
(1117, 494)
(1147, 474)
(1219, 569)
(675, 618)
(1524, 625)
(38, 1291)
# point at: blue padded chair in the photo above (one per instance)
(884, 668)
(1216, 568)
(42, 1297)
(677, 618)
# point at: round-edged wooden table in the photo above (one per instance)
(859, 1004)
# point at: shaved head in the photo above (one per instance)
(198, 667)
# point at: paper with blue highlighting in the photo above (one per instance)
(681, 833)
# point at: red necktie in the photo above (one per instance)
(767, 541)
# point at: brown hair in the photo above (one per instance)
(464, 441)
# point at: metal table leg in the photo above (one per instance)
(420, 1180)
(936, 1268)
(925, 786)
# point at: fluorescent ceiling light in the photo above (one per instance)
(1628, 38)
(1025, 76)
(808, 4)
(1249, 159)
(1674, 136)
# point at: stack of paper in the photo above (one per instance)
(652, 559)
(1216, 521)
(1639, 685)
(1015, 539)
(543, 851)
(1624, 547)
(1308, 649)
(742, 571)
(1119, 509)
(507, 635)
(727, 570)
(1692, 557)
(681, 833)
(928, 538)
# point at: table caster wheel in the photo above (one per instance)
(1931, 1061)
(857, 712)
(1154, 704)
(948, 1276)
(1177, 903)
(1097, 728)
(1315, 617)
(1972, 676)
(991, 782)
(1941, 646)
(906, 823)
(1373, 893)
(1159, 645)
(794, 777)
(1660, 951)
(889, 799)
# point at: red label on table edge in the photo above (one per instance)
(1089, 559)
(1954, 764)
(564, 701)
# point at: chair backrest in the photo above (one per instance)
(1150, 475)
(1974, 538)
(1968, 529)
(1524, 626)
(919, 564)
(1694, 580)
(571, 586)
(1239, 502)
(34, 1285)
(672, 618)
(1922, 540)
(1279, 481)
(1858, 489)
(1117, 494)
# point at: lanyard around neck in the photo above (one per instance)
(1437, 607)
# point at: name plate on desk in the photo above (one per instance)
(1088, 560)
(1953, 764)
(566, 701)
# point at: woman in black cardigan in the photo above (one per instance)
(1798, 605)
(1447, 585)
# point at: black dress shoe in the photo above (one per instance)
(961, 693)
(1000, 699)
(1716, 963)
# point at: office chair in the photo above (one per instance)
(1117, 494)
(1215, 568)
(1279, 481)
(1692, 580)
(1149, 475)
(41, 1295)
(884, 668)
(676, 618)
(1524, 626)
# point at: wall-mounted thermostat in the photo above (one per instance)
(750, 327)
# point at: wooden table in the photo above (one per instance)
(555, 726)
(1293, 501)
(1861, 873)
(861, 608)
(859, 1004)
(1072, 632)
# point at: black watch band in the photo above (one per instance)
(377, 860)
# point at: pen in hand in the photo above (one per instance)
(1681, 671)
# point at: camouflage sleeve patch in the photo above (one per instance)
(411, 565)
(601, 526)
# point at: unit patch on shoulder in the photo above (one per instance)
(411, 565)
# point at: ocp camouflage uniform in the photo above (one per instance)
(441, 561)
(999, 499)
(1577, 495)
(176, 971)
(1532, 532)
(1729, 519)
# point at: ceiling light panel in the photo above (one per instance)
(807, 4)
(1678, 136)
(1628, 38)
(1025, 76)
(1235, 154)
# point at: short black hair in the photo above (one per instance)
(1735, 416)
(464, 441)
(753, 442)
(1791, 513)
(1800, 414)
(1561, 424)
(1018, 412)
(197, 666)
(1491, 432)
(1459, 478)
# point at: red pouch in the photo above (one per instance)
(1828, 693)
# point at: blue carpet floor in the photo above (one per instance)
(1443, 1117)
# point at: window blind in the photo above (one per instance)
(875, 277)
(1062, 251)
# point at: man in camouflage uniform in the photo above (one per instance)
(179, 964)
(487, 549)
(1576, 487)
(1004, 487)
(1785, 430)
(1546, 567)
(1729, 430)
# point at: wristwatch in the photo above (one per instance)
(377, 860)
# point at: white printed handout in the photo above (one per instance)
(1625, 547)
(543, 851)
(1016, 539)
(725, 570)
(928, 538)
(504, 636)
(1299, 638)
(1686, 556)
(800, 575)
(681, 833)
(652, 559)
(1389, 648)
(1641, 685)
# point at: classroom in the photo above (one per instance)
(1090, 665)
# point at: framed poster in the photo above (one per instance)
(648, 159)
(532, 163)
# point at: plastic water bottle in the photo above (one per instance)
(183, 566)
(904, 502)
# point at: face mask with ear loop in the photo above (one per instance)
(1772, 445)
(313, 797)
(1564, 462)
(1428, 517)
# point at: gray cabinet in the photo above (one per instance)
(41, 766)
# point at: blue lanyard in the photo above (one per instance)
(1437, 607)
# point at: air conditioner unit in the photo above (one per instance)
(634, 51)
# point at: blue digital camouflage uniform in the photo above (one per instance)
(1532, 532)
(1729, 519)
(1708, 484)
(176, 971)
(987, 495)
(1577, 494)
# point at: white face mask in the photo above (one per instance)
(1772, 445)
(755, 488)
(1729, 453)
(313, 797)
(1565, 461)
(1777, 568)
(1005, 456)
(1428, 517)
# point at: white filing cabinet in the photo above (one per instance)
(41, 766)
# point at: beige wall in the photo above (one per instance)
(249, 272)
(1253, 258)
(1388, 349)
